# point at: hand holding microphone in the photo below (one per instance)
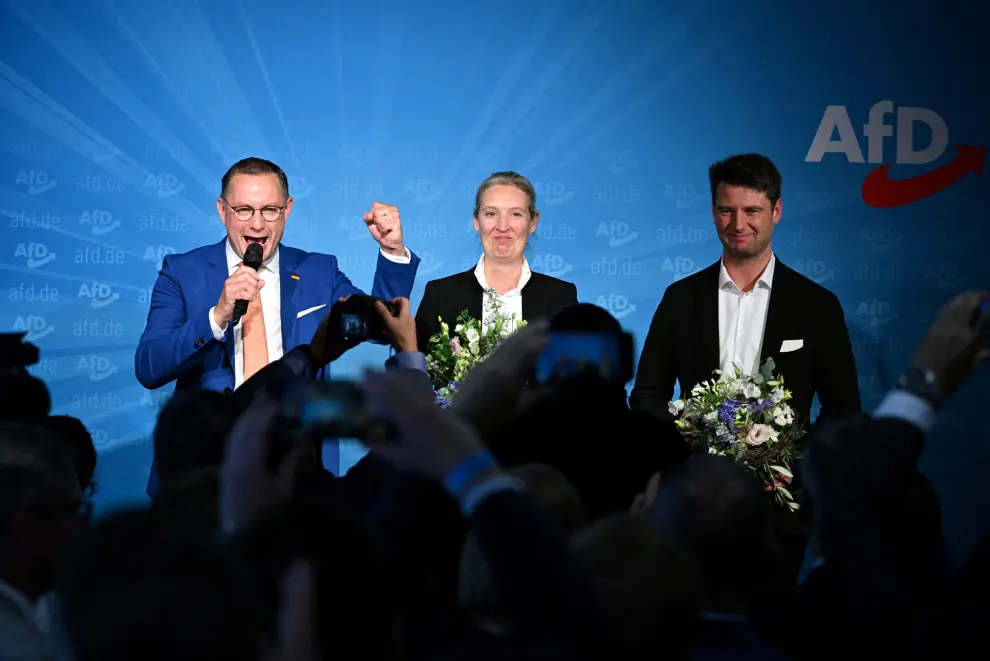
(240, 288)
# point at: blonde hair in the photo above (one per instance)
(507, 178)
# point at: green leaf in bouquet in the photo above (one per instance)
(783, 471)
(794, 506)
(785, 493)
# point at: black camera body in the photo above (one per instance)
(16, 355)
(359, 321)
(23, 397)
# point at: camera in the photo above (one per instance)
(23, 397)
(359, 321)
(607, 357)
(317, 410)
(16, 355)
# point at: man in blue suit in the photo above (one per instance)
(188, 338)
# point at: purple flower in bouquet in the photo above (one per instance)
(455, 346)
(761, 406)
(727, 412)
(445, 394)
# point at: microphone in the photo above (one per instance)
(253, 257)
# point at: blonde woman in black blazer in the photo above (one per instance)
(505, 216)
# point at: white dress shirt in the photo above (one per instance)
(511, 300)
(742, 317)
(271, 307)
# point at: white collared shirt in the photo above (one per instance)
(511, 300)
(271, 307)
(742, 318)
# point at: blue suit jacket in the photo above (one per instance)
(178, 343)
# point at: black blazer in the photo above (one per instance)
(683, 344)
(446, 298)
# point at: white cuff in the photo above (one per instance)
(405, 258)
(907, 407)
(218, 332)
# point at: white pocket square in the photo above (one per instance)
(308, 310)
(791, 345)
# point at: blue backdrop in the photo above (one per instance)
(119, 118)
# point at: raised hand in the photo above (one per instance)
(385, 225)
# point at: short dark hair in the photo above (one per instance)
(753, 171)
(716, 509)
(191, 432)
(74, 432)
(584, 318)
(29, 456)
(254, 165)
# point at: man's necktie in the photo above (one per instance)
(255, 339)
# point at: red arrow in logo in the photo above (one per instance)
(882, 192)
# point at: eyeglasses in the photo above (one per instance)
(246, 213)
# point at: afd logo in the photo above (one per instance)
(99, 221)
(876, 313)
(617, 305)
(428, 263)
(681, 267)
(301, 189)
(156, 400)
(552, 193)
(879, 190)
(99, 294)
(37, 181)
(34, 326)
(815, 270)
(36, 254)
(165, 184)
(157, 254)
(617, 233)
(551, 264)
(353, 226)
(96, 367)
(422, 190)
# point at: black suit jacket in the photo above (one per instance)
(446, 298)
(683, 343)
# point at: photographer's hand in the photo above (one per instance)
(954, 344)
(249, 491)
(493, 391)
(401, 328)
(431, 441)
(327, 345)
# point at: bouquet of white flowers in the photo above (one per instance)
(452, 355)
(746, 418)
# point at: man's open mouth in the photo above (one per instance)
(256, 239)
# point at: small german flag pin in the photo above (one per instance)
(295, 276)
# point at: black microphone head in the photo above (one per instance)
(254, 256)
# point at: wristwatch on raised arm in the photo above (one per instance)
(921, 382)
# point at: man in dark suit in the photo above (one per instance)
(748, 307)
